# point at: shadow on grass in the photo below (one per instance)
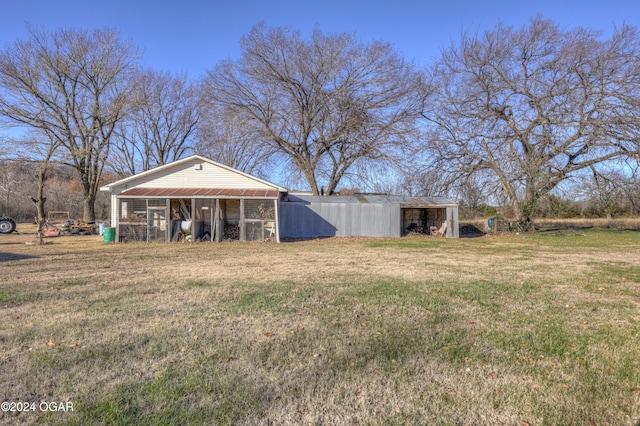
(9, 257)
(469, 230)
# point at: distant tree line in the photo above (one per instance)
(19, 182)
(542, 120)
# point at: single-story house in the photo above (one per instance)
(194, 199)
(197, 199)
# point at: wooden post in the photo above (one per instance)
(219, 226)
(276, 220)
(194, 215)
(167, 220)
(212, 225)
(243, 228)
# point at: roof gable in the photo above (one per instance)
(192, 172)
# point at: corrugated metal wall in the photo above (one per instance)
(453, 226)
(336, 219)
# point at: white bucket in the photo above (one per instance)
(185, 225)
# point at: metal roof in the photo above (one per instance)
(404, 201)
(199, 193)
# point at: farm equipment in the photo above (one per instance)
(81, 227)
(61, 222)
(50, 230)
(7, 225)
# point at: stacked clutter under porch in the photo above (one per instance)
(196, 219)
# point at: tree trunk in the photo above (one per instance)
(311, 178)
(526, 211)
(89, 208)
(39, 203)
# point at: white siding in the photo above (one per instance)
(185, 175)
(210, 176)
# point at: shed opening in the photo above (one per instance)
(423, 220)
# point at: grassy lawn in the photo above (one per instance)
(537, 329)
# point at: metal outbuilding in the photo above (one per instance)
(366, 215)
(196, 199)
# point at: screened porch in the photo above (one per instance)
(182, 219)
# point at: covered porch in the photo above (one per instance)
(201, 215)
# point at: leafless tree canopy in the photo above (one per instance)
(508, 116)
(324, 103)
(225, 137)
(72, 85)
(535, 106)
(161, 125)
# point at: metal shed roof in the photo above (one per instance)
(402, 200)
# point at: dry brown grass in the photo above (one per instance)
(629, 223)
(540, 329)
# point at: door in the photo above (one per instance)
(156, 224)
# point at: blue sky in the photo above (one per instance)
(192, 36)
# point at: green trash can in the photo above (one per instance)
(109, 235)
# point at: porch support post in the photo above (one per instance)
(193, 220)
(168, 235)
(115, 219)
(218, 223)
(276, 218)
(243, 230)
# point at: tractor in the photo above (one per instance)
(7, 225)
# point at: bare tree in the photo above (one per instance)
(11, 182)
(225, 137)
(611, 191)
(45, 153)
(73, 86)
(534, 106)
(325, 103)
(33, 159)
(162, 123)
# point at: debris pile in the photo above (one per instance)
(231, 232)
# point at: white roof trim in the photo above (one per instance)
(124, 181)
